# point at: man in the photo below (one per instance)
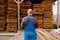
(29, 24)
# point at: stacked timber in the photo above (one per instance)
(12, 25)
(38, 8)
(48, 23)
(2, 1)
(47, 4)
(12, 16)
(48, 13)
(40, 21)
(25, 6)
(2, 14)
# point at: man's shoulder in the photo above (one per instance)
(25, 18)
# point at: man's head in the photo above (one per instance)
(30, 12)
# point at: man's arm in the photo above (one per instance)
(23, 23)
(35, 23)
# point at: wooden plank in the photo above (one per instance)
(52, 37)
(55, 35)
(17, 34)
(45, 35)
(42, 38)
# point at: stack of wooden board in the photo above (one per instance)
(47, 4)
(2, 14)
(12, 25)
(2, 1)
(48, 14)
(2, 24)
(12, 16)
(40, 21)
(48, 23)
(25, 6)
(11, 10)
(38, 8)
(47, 8)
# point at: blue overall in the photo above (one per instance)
(29, 31)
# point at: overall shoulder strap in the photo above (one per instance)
(33, 21)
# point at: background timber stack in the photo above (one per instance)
(2, 14)
(48, 23)
(38, 10)
(2, 1)
(8, 13)
(12, 25)
(48, 14)
(12, 16)
(40, 21)
(24, 7)
(47, 4)
(45, 13)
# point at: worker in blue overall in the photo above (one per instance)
(29, 24)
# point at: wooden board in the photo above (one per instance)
(45, 33)
(57, 36)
